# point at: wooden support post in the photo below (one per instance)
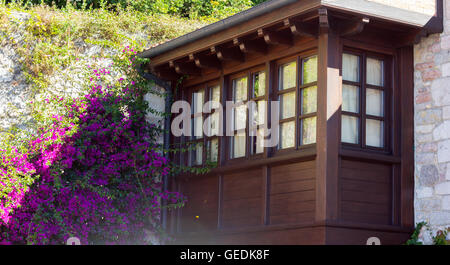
(328, 122)
(406, 85)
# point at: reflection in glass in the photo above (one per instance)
(309, 100)
(288, 75)
(198, 101)
(214, 94)
(197, 154)
(350, 98)
(213, 150)
(287, 102)
(258, 142)
(374, 133)
(309, 130)
(374, 102)
(238, 145)
(198, 127)
(350, 67)
(240, 89)
(259, 84)
(374, 72)
(287, 135)
(310, 70)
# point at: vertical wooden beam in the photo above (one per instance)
(328, 119)
(406, 85)
(220, 202)
(265, 195)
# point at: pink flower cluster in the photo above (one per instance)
(94, 174)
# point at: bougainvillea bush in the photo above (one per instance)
(92, 171)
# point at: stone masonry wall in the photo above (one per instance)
(432, 129)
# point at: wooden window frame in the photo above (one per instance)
(206, 87)
(362, 85)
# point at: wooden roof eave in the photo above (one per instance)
(255, 35)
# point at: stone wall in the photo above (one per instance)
(432, 129)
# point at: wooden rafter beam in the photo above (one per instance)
(185, 69)
(228, 54)
(324, 21)
(300, 29)
(275, 37)
(353, 27)
(203, 61)
(251, 46)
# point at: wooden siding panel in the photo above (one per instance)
(292, 195)
(366, 192)
(242, 199)
(200, 211)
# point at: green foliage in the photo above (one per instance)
(196, 9)
(441, 237)
(414, 240)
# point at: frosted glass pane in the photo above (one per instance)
(350, 132)
(240, 89)
(374, 102)
(287, 135)
(259, 84)
(197, 154)
(214, 94)
(238, 145)
(240, 120)
(198, 127)
(350, 98)
(259, 113)
(258, 142)
(214, 124)
(350, 67)
(288, 76)
(310, 70)
(309, 130)
(213, 150)
(287, 102)
(198, 101)
(374, 72)
(309, 100)
(374, 133)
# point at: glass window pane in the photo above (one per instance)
(374, 72)
(350, 129)
(374, 102)
(214, 124)
(197, 154)
(350, 98)
(198, 127)
(309, 130)
(240, 120)
(310, 70)
(287, 135)
(374, 133)
(288, 75)
(350, 67)
(258, 142)
(287, 102)
(309, 100)
(259, 114)
(240, 89)
(259, 84)
(238, 145)
(214, 94)
(213, 150)
(198, 101)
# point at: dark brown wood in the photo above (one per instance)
(329, 101)
(185, 69)
(301, 29)
(274, 37)
(352, 27)
(258, 46)
(203, 61)
(228, 54)
(406, 86)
